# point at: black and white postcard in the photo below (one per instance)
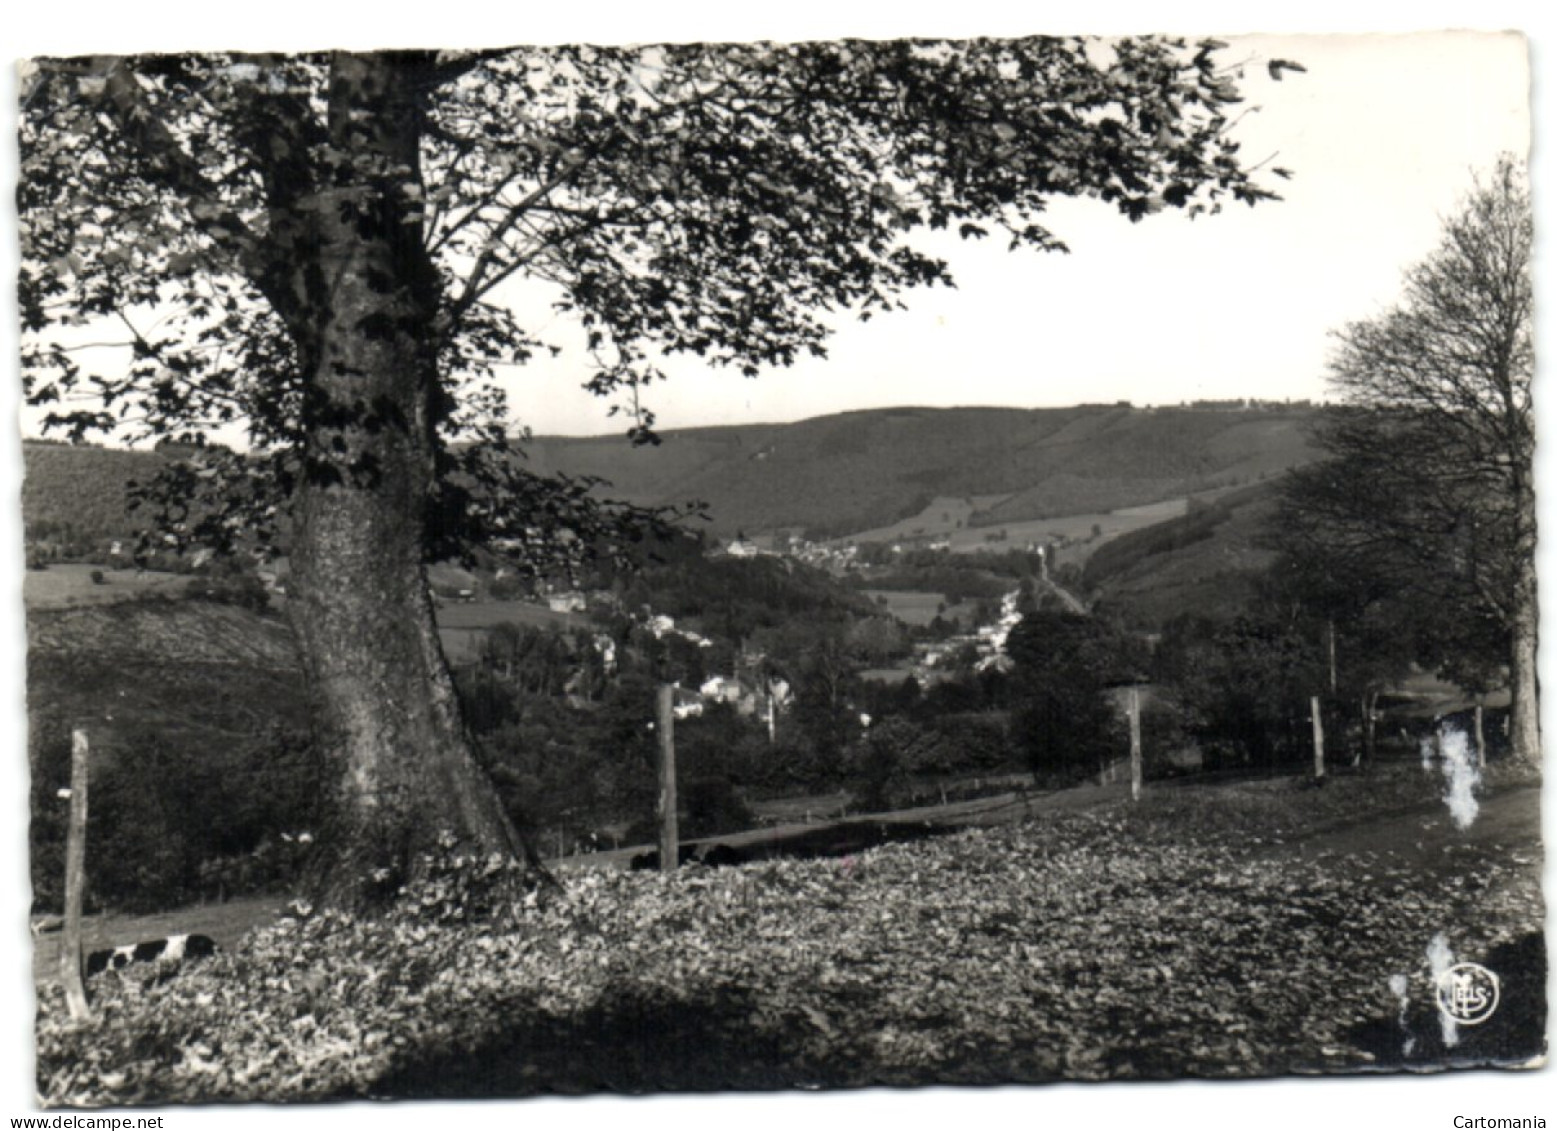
(728, 564)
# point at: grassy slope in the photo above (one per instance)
(462, 627)
(68, 584)
(162, 663)
(910, 606)
(1203, 563)
(173, 683)
(837, 474)
(852, 471)
(941, 519)
(190, 672)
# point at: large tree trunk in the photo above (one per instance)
(363, 614)
(1525, 710)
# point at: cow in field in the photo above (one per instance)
(174, 948)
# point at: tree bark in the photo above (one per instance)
(363, 615)
(1524, 710)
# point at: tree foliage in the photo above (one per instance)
(712, 200)
(1242, 687)
(1063, 717)
(313, 251)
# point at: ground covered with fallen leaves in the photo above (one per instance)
(1198, 933)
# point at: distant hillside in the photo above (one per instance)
(1205, 563)
(831, 475)
(855, 471)
(76, 493)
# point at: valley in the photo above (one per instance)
(871, 666)
(940, 694)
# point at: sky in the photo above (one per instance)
(1383, 137)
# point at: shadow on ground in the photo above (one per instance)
(638, 1044)
(631, 1045)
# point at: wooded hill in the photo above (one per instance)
(74, 495)
(837, 475)
(831, 475)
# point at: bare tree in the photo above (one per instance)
(1428, 486)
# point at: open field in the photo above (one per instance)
(1424, 696)
(945, 516)
(1111, 524)
(462, 624)
(70, 584)
(938, 521)
(1078, 527)
(910, 606)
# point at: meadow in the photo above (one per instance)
(462, 625)
(69, 584)
(945, 518)
(909, 606)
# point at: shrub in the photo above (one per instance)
(244, 590)
(973, 742)
(1063, 718)
(882, 762)
(1243, 687)
(172, 821)
(509, 587)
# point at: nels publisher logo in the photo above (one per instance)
(1468, 993)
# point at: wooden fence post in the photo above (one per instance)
(670, 840)
(1135, 743)
(75, 880)
(1319, 739)
(1481, 741)
(1330, 639)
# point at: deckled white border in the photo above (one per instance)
(72, 26)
